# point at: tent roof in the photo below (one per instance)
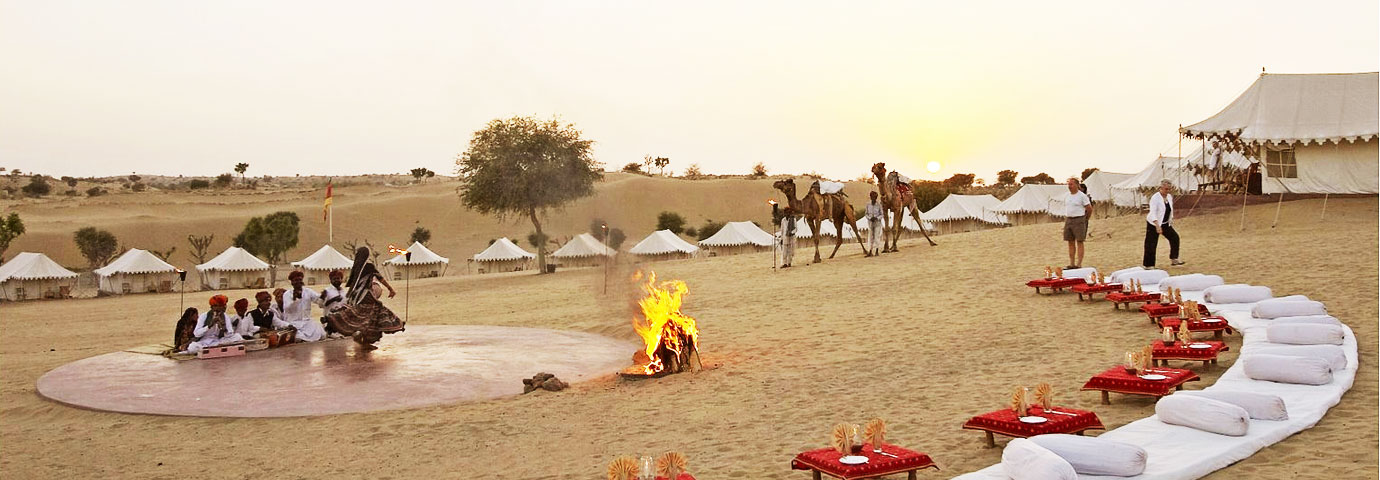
(960, 207)
(420, 256)
(1160, 169)
(662, 241)
(325, 258)
(1035, 198)
(827, 229)
(739, 233)
(502, 249)
(33, 266)
(1100, 184)
(136, 261)
(233, 259)
(584, 245)
(1300, 108)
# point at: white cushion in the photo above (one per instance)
(1023, 459)
(1203, 414)
(1146, 277)
(1079, 272)
(1287, 369)
(1287, 307)
(1191, 282)
(1315, 319)
(1305, 334)
(1258, 405)
(1334, 355)
(1239, 293)
(1095, 456)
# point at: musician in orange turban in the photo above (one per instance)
(214, 327)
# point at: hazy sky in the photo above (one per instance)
(340, 87)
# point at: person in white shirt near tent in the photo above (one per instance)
(297, 309)
(1160, 221)
(1077, 210)
(786, 237)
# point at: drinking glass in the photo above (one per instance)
(647, 468)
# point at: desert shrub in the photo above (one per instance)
(670, 221)
(37, 187)
(198, 184)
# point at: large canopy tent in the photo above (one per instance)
(317, 266)
(1034, 204)
(234, 268)
(1135, 191)
(1311, 133)
(136, 271)
(1105, 199)
(965, 213)
(738, 237)
(503, 256)
(583, 251)
(31, 276)
(663, 245)
(424, 264)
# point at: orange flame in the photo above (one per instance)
(661, 321)
(394, 249)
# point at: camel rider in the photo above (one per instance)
(786, 237)
(875, 225)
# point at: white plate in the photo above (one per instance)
(1199, 345)
(1034, 419)
(853, 460)
(1153, 376)
(1211, 320)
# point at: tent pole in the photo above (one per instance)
(1278, 206)
(1324, 210)
(1243, 207)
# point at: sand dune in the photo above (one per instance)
(924, 338)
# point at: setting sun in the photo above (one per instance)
(933, 167)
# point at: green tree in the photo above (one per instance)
(198, 184)
(420, 235)
(1087, 172)
(1006, 178)
(11, 227)
(633, 167)
(709, 228)
(596, 228)
(420, 173)
(616, 238)
(525, 167)
(270, 237)
(670, 221)
(240, 168)
(759, 170)
(37, 187)
(960, 182)
(1041, 178)
(98, 246)
(659, 162)
(928, 194)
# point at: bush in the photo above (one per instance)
(421, 235)
(223, 180)
(693, 171)
(634, 167)
(536, 239)
(98, 246)
(759, 170)
(691, 232)
(95, 192)
(198, 184)
(139, 187)
(670, 221)
(709, 228)
(37, 187)
(616, 238)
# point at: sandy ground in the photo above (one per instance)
(924, 338)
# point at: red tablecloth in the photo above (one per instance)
(1182, 352)
(1116, 379)
(1055, 283)
(1173, 322)
(827, 460)
(1099, 288)
(1161, 310)
(1006, 422)
(1122, 297)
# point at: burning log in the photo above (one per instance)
(670, 338)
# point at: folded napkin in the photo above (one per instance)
(623, 468)
(670, 465)
(1044, 396)
(842, 438)
(875, 432)
(1018, 401)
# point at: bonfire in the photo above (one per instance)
(670, 339)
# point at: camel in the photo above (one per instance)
(816, 207)
(893, 200)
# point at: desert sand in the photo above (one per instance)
(924, 338)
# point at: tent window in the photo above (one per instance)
(1281, 163)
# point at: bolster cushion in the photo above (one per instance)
(1203, 414)
(1146, 277)
(1305, 334)
(1024, 460)
(1313, 319)
(1191, 282)
(1287, 307)
(1332, 354)
(1095, 456)
(1259, 406)
(1239, 293)
(1287, 369)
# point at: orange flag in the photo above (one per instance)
(326, 208)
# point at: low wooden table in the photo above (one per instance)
(1120, 299)
(1006, 422)
(1055, 285)
(1157, 310)
(1116, 379)
(1091, 290)
(1215, 324)
(825, 461)
(1208, 355)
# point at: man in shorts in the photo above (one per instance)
(1077, 209)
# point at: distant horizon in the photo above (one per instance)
(338, 88)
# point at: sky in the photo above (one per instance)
(351, 87)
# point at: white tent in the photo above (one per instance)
(1100, 188)
(317, 266)
(1316, 133)
(965, 213)
(802, 228)
(661, 245)
(583, 251)
(827, 229)
(136, 271)
(234, 268)
(503, 256)
(908, 224)
(424, 264)
(1136, 190)
(30, 276)
(738, 237)
(1034, 204)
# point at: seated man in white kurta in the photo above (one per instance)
(213, 328)
(297, 303)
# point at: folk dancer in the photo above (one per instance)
(363, 316)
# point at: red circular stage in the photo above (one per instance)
(426, 365)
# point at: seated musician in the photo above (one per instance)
(296, 311)
(333, 299)
(186, 326)
(240, 322)
(213, 328)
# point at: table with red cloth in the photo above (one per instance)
(1091, 290)
(681, 476)
(1179, 351)
(1157, 310)
(1006, 422)
(1119, 299)
(1055, 285)
(1116, 379)
(1217, 328)
(826, 461)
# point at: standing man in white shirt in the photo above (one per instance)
(297, 309)
(1160, 222)
(785, 235)
(1077, 210)
(876, 227)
